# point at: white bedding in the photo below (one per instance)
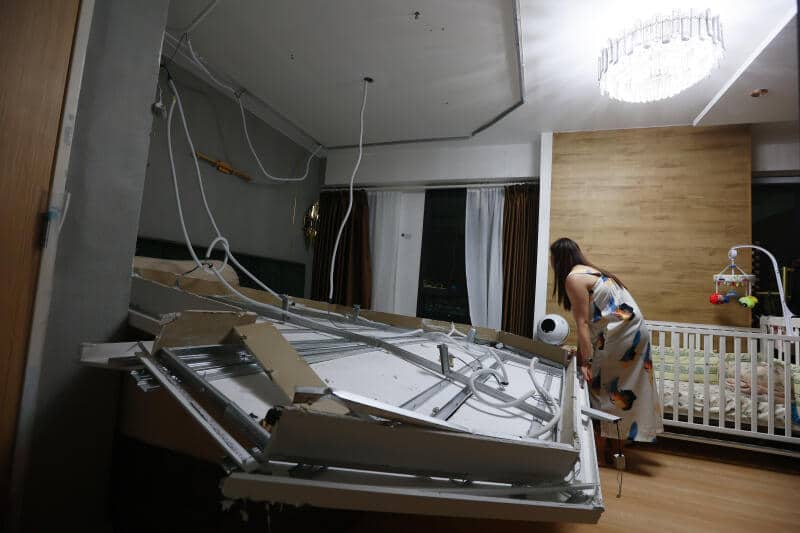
(730, 405)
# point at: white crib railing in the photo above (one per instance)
(774, 325)
(698, 351)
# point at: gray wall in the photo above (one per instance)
(66, 467)
(256, 218)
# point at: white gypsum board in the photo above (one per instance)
(253, 393)
(376, 374)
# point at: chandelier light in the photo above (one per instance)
(660, 58)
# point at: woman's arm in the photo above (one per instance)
(578, 294)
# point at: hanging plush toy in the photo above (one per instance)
(736, 277)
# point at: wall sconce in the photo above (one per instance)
(311, 223)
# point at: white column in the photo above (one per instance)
(543, 246)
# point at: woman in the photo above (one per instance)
(613, 345)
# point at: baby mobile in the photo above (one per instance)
(732, 277)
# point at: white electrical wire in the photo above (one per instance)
(352, 178)
(258, 160)
(219, 237)
(203, 67)
(554, 409)
(237, 94)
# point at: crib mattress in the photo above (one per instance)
(729, 410)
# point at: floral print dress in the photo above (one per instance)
(622, 367)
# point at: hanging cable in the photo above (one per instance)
(619, 470)
(219, 237)
(237, 94)
(367, 81)
(258, 160)
(203, 67)
(548, 400)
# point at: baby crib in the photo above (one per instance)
(742, 382)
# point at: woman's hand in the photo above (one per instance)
(586, 372)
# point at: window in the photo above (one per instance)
(776, 218)
(442, 276)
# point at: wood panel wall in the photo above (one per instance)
(35, 48)
(659, 207)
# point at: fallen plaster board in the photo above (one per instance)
(156, 299)
(293, 491)
(145, 292)
(199, 328)
(112, 354)
(143, 322)
(369, 406)
(368, 374)
(282, 363)
(553, 353)
(348, 442)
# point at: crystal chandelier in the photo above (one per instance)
(659, 58)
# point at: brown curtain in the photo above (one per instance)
(520, 234)
(352, 281)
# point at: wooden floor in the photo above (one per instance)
(675, 487)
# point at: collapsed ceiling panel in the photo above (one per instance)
(406, 416)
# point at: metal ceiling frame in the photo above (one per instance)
(389, 456)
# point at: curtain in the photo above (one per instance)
(483, 251)
(352, 281)
(520, 234)
(384, 242)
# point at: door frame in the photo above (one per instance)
(57, 210)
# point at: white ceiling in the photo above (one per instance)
(307, 58)
(774, 68)
(442, 73)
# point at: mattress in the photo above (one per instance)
(729, 409)
(745, 406)
(698, 375)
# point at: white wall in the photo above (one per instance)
(264, 220)
(776, 146)
(436, 161)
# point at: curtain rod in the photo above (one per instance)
(448, 184)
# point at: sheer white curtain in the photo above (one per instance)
(384, 240)
(483, 238)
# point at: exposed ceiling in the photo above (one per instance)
(442, 68)
(306, 59)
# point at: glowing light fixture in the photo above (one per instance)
(660, 58)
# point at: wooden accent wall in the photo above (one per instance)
(659, 207)
(35, 48)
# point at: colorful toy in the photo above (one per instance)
(748, 301)
(718, 299)
(739, 278)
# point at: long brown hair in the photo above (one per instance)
(565, 254)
